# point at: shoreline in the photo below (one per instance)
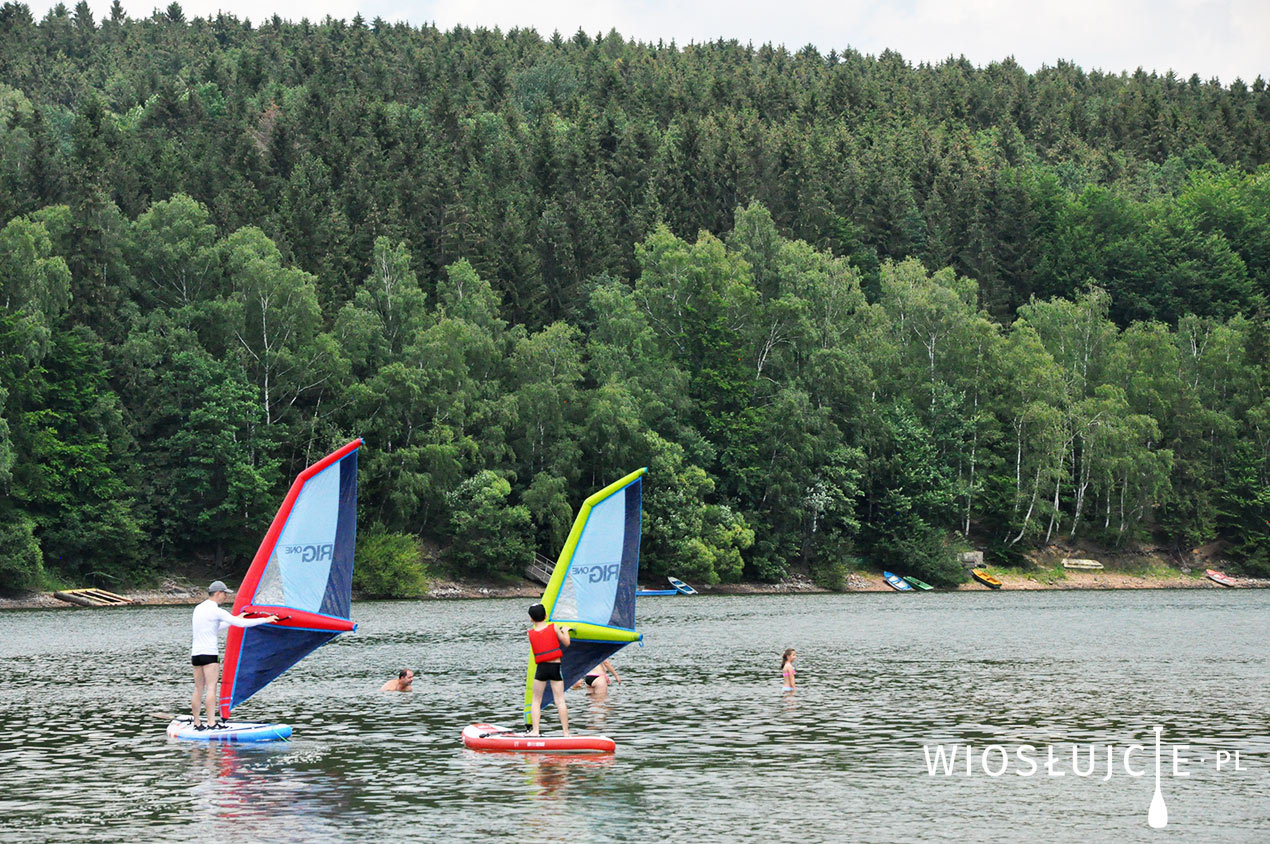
(181, 594)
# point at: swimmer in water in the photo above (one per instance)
(404, 682)
(789, 683)
(597, 679)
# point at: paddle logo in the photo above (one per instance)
(1101, 760)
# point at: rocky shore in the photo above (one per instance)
(187, 593)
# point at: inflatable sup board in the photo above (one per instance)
(489, 737)
(183, 728)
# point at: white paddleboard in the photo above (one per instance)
(183, 728)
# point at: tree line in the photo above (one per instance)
(842, 306)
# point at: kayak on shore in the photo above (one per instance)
(986, 579)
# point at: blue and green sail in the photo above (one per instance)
(592, 588)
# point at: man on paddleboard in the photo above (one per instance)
(547, 642)
(209, 621)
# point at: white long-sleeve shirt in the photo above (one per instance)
(209, 621)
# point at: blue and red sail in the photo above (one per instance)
(302, 573)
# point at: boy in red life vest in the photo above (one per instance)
(547, 641)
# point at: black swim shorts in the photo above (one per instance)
(548, 671)
(204, 659)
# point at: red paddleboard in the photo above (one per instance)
(489, 737)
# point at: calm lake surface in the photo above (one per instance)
(708, 747)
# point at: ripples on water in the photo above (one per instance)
(708, 746)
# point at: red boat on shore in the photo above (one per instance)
(1219, 577)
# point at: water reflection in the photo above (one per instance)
(242, 787)
(597, 711)
(552, 774)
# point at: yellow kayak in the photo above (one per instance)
(986, 579)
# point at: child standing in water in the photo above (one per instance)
(787, 670)
(547, 641)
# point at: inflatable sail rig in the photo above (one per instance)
(592, 588)
(302, 573)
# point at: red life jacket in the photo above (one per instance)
(545, 644)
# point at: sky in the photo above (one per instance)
(1222, 39)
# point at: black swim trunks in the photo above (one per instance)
(204, 659)
(548, 671)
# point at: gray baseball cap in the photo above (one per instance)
(218, 586)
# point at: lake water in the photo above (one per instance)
(708, 746)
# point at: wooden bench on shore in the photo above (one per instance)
(92, 598)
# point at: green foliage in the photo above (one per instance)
(490, 535)
(174, 255)
(551, 511)
(1245, 509)
(909, 496)
(205, 477)
(1001, 553)
(21, 561)
(35, 289)
(831, 574)
(389, 565)
(837, 305)
(922, 552)
(685, 536)
(72, 481)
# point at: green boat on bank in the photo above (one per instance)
(918, 584)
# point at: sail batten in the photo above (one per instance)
(303, 573)
(592, 587)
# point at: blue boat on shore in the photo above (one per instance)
(896, 582)
(681, 588)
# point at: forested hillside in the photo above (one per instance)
(841, 305)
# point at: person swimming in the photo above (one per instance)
(597, 679)
(787, 670)
(402, 683)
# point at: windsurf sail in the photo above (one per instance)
(302, 573)
(592, 588)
